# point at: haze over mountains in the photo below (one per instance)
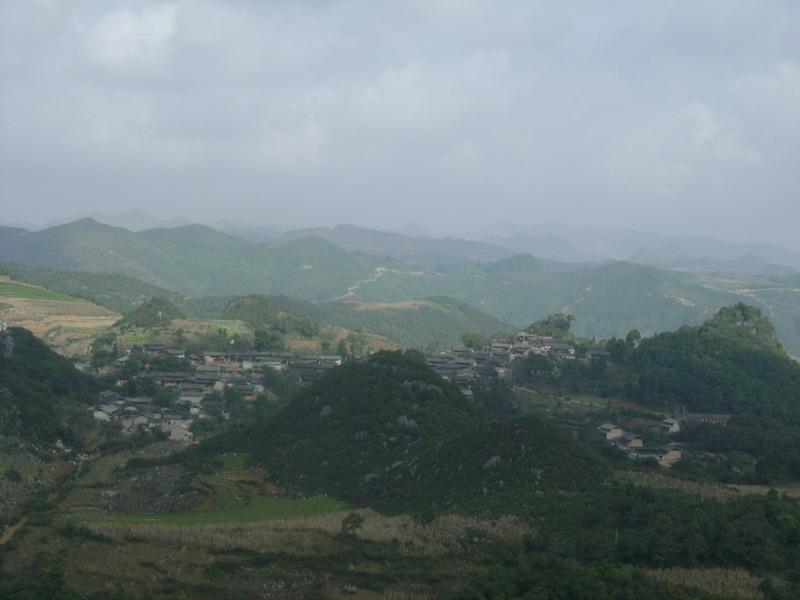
(559, 242)
(374, 270)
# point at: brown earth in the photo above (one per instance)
(68, 326)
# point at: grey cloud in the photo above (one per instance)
(657, 115)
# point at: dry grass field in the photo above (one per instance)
(67, 324)
(314, 535)
(707, 490)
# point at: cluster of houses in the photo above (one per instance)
(665, 455)
(135, 413)
(466, 366)
(212, 372)
(633, 445)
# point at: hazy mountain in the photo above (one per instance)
(266, 235)
(598, 244)
(673, 257)
(427, 252)
(132, 220)
(193, 259)
(607, 300)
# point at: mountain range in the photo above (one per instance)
(607, 299)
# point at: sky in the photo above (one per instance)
(669, 116)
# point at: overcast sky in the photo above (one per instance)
(675, 116)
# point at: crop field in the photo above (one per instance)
(10, 289)
(257, 508)
(68, 325)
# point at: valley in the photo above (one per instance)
(403, 432)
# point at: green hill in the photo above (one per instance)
(437, 320)
(343, 434)
(733, 363)
(606, 301)
(198, 261)
(428, 252)
(262, 313)
(156, 312)
(115, 291)
(389, 432)
(512, 459)
(193, 259)
(42, 395)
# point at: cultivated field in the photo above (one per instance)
(67, 324)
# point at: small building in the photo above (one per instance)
(611, 431)
(665, 457)
(708, 418)
(629, 441)
(108, 397)
(596, 355)
(669, 426)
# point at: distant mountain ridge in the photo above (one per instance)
(427, 252)
(574, 243)
(194, 259)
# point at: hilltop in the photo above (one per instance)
(719, 366)
(156, 312)
(193, 259)
(389, 432)
(348, 429)
(262, 313)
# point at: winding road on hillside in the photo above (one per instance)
(379, 272)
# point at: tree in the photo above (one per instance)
(557, 325)
(352, 523)
(634, 338)
(269, 341)
(475, 340)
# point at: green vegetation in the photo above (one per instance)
(437, 321)
(343, 434)
(554, 326)
(115, 291)
(256, 508)
(732, 364)
(263, 314)
(42, 396)
(156, 312)
(606, 301)
(482, 507)
(10, 289)
(192, 259)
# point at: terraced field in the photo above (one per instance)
(67, 324)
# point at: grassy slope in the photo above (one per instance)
(436, 320)
(607, 301)
(115, 291)
(9, 289)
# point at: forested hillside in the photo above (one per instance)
(42, 396)
(156, 312)
(116, 291)
(606, 300)
(192, 259)
(439, 321)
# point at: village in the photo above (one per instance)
(200, 393)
